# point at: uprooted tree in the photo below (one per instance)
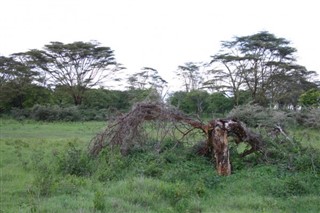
(129, 130)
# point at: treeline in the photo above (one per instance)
(61, 81)
(40, 103)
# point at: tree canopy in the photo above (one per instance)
(259, 68)
(261, 63)
(78, 65)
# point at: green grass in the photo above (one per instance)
(44, 168)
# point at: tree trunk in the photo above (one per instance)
(77, 100)
(221, 150)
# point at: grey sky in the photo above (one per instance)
(159, 33)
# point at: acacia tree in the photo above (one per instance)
(16, 81)
(256, 62)
(77, 66)
(228, 80)
(190, 75)
(148, 79)
(286, 88)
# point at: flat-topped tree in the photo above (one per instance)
(77, 66)
(264, 65)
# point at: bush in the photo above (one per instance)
(257, 116)
(44, 175)
(110, 165)
(291, 155)
(74, 162)
(20, 114)
(54, 113)
(307, 117)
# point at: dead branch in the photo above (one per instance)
(128, 130)
(243, 134)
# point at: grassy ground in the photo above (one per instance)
(44, 168)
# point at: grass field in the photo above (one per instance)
(44, 168)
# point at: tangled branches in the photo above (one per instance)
(128, 129)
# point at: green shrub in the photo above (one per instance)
(69, 114)
(54, 113)
(258, 116)
(44, 113)
(307, 117)
(20, 114)
(74, 161)
(111, 165)
(290, 154)
(44, 177)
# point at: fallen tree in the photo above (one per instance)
(128, 130)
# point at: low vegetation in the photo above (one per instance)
(45, 167)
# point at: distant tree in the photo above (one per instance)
(18, 85)
(244, 97)
(190, 75)
(77, 66)
(311, 98)
(227, 81)
(286, 88)
(219, 103)
(146, 79)
(259, 63)
(106, 99)
(139, 95)
(62, 97)
(195, 101)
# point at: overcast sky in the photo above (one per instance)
(161, 34)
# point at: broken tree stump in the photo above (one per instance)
(126, 131)
(219, 141)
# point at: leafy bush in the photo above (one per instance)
(44, 175)
(256, 116)
(57, 113)
(74, 162)
(310, 98)
(20, 114)
(88, 114)
(54, 113)
(307, 117)
(110, 166)
(290, 154)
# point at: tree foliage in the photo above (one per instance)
(147, 78)
(18, 85)
(77, 66)
(263, 64)
(190, 75)
(201, 102)
(310, 98)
